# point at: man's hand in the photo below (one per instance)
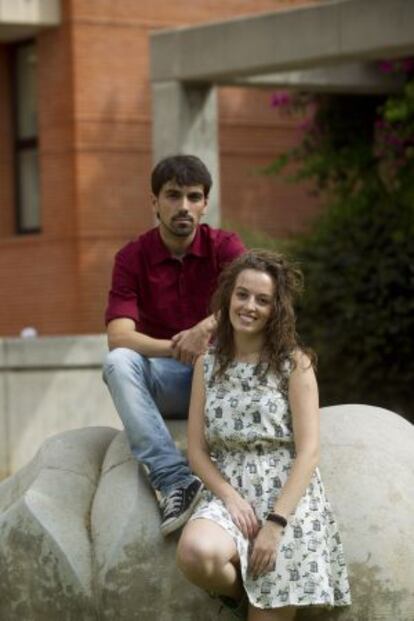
(189, 344)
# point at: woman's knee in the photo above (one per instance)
(195, 555)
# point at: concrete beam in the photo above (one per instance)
(318, 35)
(50, 352)
(354, 78)
(185, 121)
(20, 19)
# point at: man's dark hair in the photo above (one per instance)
(184, 170)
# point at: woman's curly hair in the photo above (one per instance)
(281, 339)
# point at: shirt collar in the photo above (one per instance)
(160, 253)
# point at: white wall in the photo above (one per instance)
(49, 385)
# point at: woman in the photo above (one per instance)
(263, 527)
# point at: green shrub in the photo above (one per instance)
(258, 239)
(357, 311)
(358, 307)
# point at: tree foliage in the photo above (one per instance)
(358, 260)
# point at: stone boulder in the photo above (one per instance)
(79, 528)
(368, 469)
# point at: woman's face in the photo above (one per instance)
(251, 301)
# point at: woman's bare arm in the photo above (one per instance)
(304, 406)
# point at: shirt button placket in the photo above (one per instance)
(181, 281)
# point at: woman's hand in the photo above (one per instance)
(265, 547)
(242, 514)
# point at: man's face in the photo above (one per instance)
(179, 208)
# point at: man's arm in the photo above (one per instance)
(121, 333)
(122, 311)
(189, 344)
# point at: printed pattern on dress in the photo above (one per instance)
(248, 429)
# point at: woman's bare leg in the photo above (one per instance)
(207, 556)
(287, 613)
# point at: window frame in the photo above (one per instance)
(20, 145)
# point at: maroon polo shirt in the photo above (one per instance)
(161, 293)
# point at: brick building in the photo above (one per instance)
(75, 153)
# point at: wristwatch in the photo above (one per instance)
(277, 518)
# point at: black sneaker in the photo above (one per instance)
(237, 609)
(176, 508)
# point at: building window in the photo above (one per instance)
(26, 138)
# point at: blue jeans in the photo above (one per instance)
(144, 390)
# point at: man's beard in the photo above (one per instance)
(181, 226)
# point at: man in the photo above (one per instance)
(158, 323)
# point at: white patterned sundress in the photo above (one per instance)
(249, 433)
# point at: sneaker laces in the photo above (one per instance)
(172, 502)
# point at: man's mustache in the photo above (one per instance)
(183, 216)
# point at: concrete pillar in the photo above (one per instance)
(185, 121)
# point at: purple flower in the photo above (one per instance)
(404, 65)
(394, 140)
(305, 125)
(408, 64)
(380, 123)
(280, 99)
(386, 66)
